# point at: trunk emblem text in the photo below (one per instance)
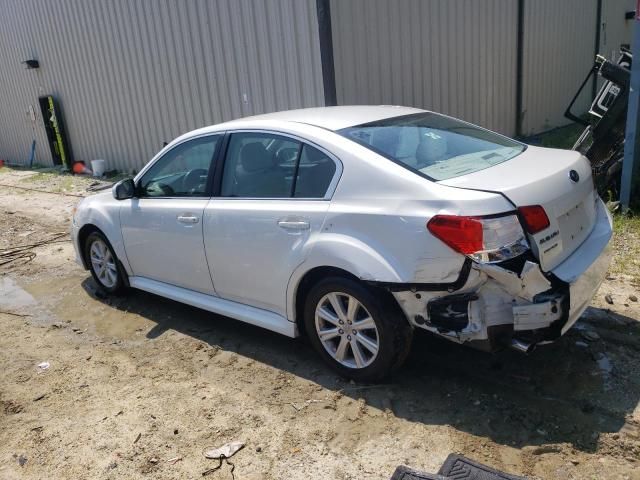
(549, 237)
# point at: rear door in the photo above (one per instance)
(162, 225)
(274, 193)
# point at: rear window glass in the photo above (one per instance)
(436, 146)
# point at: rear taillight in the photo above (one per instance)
(463, 234)
(534, 218)
(483, 239)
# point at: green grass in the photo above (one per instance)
(66, 185)
(41, 176)
(626, 245)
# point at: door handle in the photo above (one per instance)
(188, 219)
(289, 224)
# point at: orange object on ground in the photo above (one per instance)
(78, 167)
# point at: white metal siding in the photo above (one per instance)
(456, 57)
(615, 30)
(132, 74)
(559, 49)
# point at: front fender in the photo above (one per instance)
(103, 212)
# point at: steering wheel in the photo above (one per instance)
(157, 189)
(192, 181)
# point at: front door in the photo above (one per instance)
(273, 201)
(162, 225)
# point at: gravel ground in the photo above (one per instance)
(138, 386)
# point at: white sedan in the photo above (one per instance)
(355, 226)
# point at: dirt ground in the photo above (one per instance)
(138, 386)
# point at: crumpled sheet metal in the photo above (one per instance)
(527, 285)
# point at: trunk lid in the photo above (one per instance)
(541, 176)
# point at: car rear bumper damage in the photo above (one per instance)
(513, 303)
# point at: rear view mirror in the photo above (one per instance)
(124, 189)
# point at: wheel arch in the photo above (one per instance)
(83, 234)
(311, 277)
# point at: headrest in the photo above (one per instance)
(431, 149)
(254, 157)
(386, 139)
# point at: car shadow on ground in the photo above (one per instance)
(567, 392)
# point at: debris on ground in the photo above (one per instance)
(454, 467)
(223, 453)
(42, 366)
(590, 335)
(14, 314)
(228, 450)
(609, 299)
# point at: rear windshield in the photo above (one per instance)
(435, 146)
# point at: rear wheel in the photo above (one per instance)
(103, 264)
(361, 334)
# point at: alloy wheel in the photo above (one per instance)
(103, 263)
(346, 330)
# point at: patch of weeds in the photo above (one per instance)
(38, 177)
(626, 246)
(65, 185)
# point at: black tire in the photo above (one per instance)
(120, 284)
(394, 334)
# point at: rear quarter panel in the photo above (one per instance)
(375, 227)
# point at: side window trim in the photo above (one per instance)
(296, 170)
(222, 159)
(214, 161)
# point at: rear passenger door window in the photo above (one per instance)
(260, 165)
(265, 165)
(315, 173)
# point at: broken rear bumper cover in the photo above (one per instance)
(515, 303)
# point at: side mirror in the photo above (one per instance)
(124, 189)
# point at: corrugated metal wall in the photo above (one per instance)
(457, 57)
(132, 74)
(559, 49)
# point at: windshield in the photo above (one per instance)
(436, 146)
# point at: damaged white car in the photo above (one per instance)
(355, 226)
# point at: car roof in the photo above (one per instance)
(331, 118)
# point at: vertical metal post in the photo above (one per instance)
(594, 88)
(632, 134)
(323, 8)
(519, 66)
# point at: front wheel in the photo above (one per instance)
(103, 264)
(361, 334)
